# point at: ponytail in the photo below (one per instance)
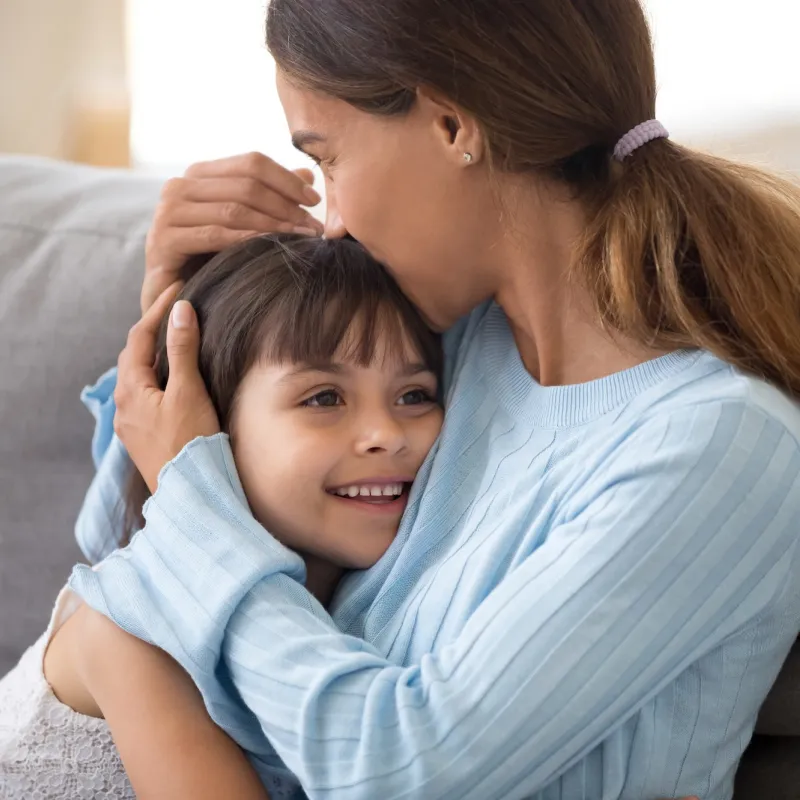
(690, 250)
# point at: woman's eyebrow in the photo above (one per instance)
(301, 139)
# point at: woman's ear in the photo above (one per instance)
(459, 133)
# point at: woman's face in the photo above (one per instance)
(401, 187)
(327, 452)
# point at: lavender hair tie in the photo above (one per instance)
(640, 135)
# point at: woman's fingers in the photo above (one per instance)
(137, 359)
(261, 168)
(183, 350)
(306, 175)
(230, 197)
(234, 215)
(217, 204)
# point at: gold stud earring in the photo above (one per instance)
(468, 158)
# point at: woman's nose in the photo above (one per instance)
(334, 227)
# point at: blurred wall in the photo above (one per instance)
(775, 146)
(64, 80)
(63, 84)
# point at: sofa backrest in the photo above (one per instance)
(71, 261)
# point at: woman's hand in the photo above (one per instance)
(155, 425)
(218, 203)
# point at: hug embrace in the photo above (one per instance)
(492, 491)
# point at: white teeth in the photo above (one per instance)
(389, 490)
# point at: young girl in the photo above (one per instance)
(326, 380)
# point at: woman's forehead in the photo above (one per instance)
(312, 113)
(306, 109)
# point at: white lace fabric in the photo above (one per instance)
(47, 750)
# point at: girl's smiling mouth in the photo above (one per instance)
(390, 494)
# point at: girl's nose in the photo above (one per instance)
(383, 434)
(334, 227)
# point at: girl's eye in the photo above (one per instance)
(327, 399)
(416, 397)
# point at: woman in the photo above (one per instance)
(596, 580)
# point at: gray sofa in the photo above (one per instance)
(71, 256)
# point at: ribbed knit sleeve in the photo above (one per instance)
(100, 522)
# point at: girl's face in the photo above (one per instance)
(327, 452)
(401, 187)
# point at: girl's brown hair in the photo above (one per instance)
(682, 249)
(288, 299)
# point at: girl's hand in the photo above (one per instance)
(218, 203)
(155, 425)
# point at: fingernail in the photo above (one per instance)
(305, 231)
(312, 195)
(182, 314)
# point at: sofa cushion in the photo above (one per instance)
(780, 714)
(71, 259)
(769, 770)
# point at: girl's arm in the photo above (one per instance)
(168, 743)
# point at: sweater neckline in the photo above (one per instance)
(570, 405)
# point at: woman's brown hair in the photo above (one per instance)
(682, 249)
(287, 299)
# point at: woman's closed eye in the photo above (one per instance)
(324, 164)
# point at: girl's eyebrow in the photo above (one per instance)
(409, 370)
(303, 369)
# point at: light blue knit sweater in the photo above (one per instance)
(591, 592)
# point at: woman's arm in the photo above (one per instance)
(169, 745)
(619, 601)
